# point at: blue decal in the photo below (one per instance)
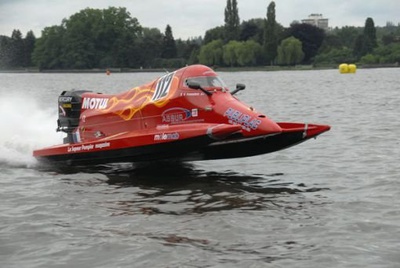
(176, 115)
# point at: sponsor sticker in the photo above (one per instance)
(88, 147)
(64, 99)
(191, 94)
(176, 115)
(94, 103)
(166, 136)
(238, 118)
(163, 86)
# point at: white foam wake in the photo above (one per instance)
(25, 126)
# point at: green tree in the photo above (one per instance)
(116, 38)
(169, 45)
(232, 21)
(91, 38)
(29, 45)
(388, 39)
(367, 41)
(16, 49)
(270, 35)
(94, 34)
(150, 45)
(211, 54)
(252, 29)
(5, 55)
(370, 32)
(369, 59)
(290, 51)
(359, 46)
(330, 42)
(230, 51)
(311, 38)
(335, 56)
(389, 54)
(347, 35)
(185, 48)
(79, 46)
(48, 48)
(194, 56)
(248, 53)
(214, 34)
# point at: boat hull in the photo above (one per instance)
(215, 142)
(153, 152)
(148, 145)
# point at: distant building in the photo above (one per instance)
(317, 20)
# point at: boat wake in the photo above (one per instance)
(24, 127)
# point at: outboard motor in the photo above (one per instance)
(69, 111)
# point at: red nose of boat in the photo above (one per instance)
(314, 130)
(308, 130)
(265, 127)
(270, 127)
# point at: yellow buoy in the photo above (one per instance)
(344, 68)
(352, 68)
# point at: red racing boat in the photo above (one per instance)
(185, 115)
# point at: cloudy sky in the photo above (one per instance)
(191, 18)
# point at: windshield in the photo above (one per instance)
(208, 81)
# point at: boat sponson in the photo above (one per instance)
(292, 134)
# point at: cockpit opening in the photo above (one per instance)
(207, 82)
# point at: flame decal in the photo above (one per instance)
(129, 103)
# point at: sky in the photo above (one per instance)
(192, 18)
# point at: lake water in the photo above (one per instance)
(329, 202)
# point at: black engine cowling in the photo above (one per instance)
(69, 110)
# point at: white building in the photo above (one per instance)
(317, 20)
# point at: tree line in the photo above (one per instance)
(107, 38)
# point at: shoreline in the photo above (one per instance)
(216, 68)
